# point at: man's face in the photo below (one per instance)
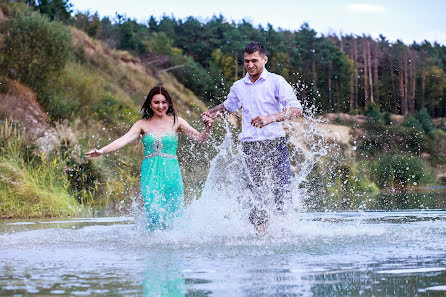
(255, 63)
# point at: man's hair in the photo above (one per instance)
(255, 46)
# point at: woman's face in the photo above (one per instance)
(159, 105)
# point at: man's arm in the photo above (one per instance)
(217, 111)
(289, 113)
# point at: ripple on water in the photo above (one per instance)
(412, 270)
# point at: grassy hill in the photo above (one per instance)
(93, 99)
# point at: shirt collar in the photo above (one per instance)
(263, 76)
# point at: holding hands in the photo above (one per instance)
(207, 119)
(258, 121)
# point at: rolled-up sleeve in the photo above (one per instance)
(286, 95)
(232, 102)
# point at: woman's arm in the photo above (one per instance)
(130, 136)
(190, 132)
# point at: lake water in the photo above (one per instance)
(213, 250)
(394, 253)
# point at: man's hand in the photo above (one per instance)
(207, 120)
(207, 114)
(262, 121)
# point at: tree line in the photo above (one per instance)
(337, 73)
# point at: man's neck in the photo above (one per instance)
(255, 78)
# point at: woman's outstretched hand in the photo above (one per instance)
(94, 153)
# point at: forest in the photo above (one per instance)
(337, 73)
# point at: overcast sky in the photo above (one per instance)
(407, 20)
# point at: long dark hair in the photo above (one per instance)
(147, 111)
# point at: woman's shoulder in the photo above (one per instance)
(179, 122)
(140, 123)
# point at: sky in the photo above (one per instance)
(406, 20)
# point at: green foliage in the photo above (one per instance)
(130, 38)
(425, 120)
(412, 122)
(109, 109)
(84, 177)
(55, 9)
(338, 121)
(399, 171)
(340, 185)
(33, 49)
(58, 105)
(421, 121)
(398, 138)
(349, 188)
(374, 115)
(201, 82)
(120, 190)
(387, 119)
(160, 43)
(31, 187)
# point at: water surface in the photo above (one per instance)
(399, 253)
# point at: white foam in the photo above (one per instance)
(436, 288)
(412, 270)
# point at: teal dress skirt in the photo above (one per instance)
(161, 180)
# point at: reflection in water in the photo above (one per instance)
(323, 254)
(162, 277)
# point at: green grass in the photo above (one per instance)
(32, 186)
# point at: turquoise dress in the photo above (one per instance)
(161, 180)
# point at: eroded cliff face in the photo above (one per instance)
(19, 104)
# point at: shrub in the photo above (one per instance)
(33, 49)
(374, 115)
(425, 120)
(393, 171)
(337, 185)
(387, 119)
(84, 178)
(412, 122)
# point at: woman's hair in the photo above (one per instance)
(146, 109)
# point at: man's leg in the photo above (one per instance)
(281, 174)
(256, 167)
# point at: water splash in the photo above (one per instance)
(223, 208)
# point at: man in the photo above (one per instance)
(266, 100)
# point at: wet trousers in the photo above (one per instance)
(268, 174)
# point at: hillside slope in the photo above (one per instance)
(95, 99)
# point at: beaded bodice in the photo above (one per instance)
(163, 145)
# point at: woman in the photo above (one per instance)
(161, 181)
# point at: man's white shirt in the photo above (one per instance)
(269, 94)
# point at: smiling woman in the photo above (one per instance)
(161, 180)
